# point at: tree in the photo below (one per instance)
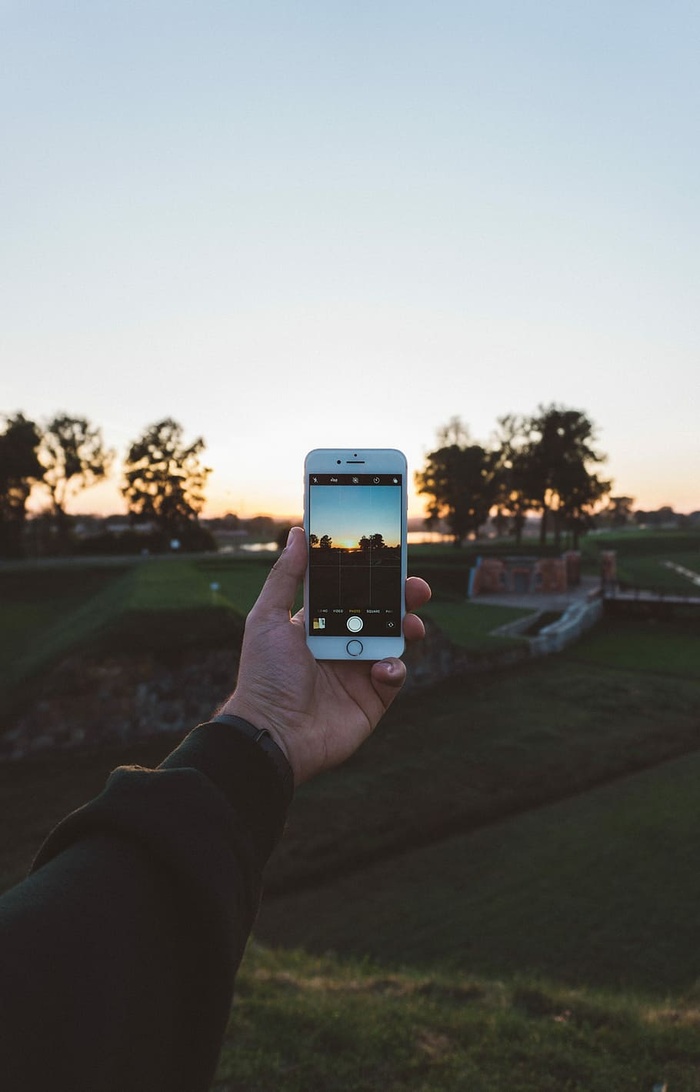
(661, 517)
(20, 469)
(164, 478)
(74, 457)
(559, 452)
(580, 491)
(454, 432)
(513, 472)
(618, 512)
(372, 542)
(462, 483)
(325, 542)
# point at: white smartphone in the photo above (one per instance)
(355, 522)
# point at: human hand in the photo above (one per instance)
(317, 711)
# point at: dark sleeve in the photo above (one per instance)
(118, 953)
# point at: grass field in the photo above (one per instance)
(35, 600)
(304, 1022)
(662, 645)
(499, 892)
(479, 748)
(655, 573)
(600, 890)
(471, 625)
(558, 941)
(144, 606)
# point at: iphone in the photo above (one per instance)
(355, 523)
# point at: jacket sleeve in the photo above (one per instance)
(118, 953)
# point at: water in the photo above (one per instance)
(250, 548)
(422, 538)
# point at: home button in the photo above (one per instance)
(354, 647)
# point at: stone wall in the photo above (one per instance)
(87, 701)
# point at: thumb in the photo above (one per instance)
(279, 590)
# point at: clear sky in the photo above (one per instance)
(347, 513)
(303, 224)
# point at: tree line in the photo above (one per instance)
(163, 477)
(366, 543)
(544, 463)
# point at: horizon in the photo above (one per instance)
(111, 502)
(250, 511)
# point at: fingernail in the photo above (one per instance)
(291, 536)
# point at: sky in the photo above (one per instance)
(291, 225)
(347, 513)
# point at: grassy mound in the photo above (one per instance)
(600, 890)
(302, 1022)
(149, 606)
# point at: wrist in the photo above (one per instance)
(236, 707)
(262, 738)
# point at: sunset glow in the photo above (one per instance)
(224, 225)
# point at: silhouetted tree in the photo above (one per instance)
(372, 542)
(559, 452)
(513, 471)
(580, 491)
(164, 478)
(20, 469)
(74, 457)
(454, 432)
(660, 517)
(326, 542)
(617, 512)
(462, 484)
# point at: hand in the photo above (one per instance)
(317, 711)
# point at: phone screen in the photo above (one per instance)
(355, 536)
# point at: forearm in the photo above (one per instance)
(120, 950)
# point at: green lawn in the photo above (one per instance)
(600, 890)
(32, 600)
(670, 646)
(51, 626)
(479, 748)
(146, 605)
(304, 1022)
(641, 543)
(239, 581)
(470, 805)
(655, 573)
(470, 625)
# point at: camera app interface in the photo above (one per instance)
(355, 525)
